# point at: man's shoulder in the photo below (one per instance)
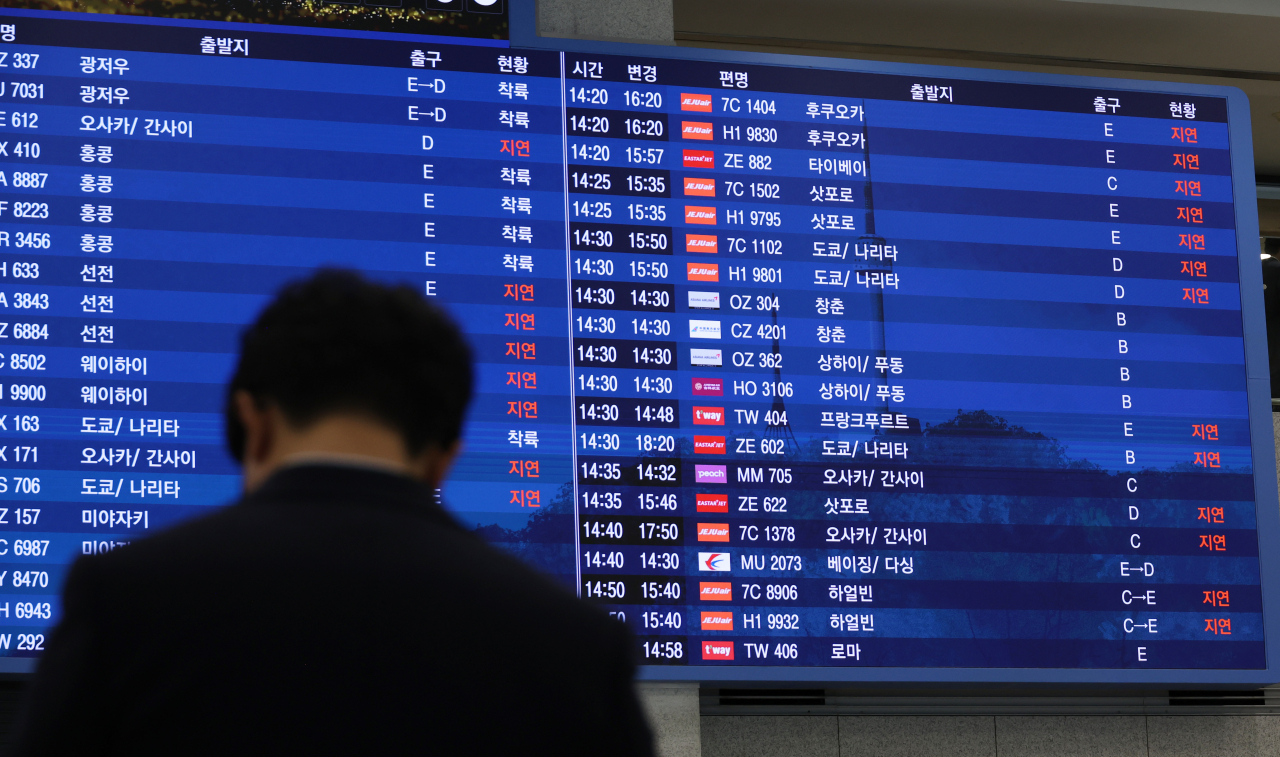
(262, 541)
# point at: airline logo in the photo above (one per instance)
(704, 329)
(705, 358)
(717, 650)
(709, 445)
(704, 387)
(717, 621)
(695, 130)
(704, 300)
(715, 591)
(701, 243)
(703, 271)
(708, 416)
(713, 503)
(699, 187)
(700, 215)
(715, 562)
(699, 159)
(713, 532)
(700, 103)
(710, 474)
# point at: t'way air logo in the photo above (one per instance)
(717, 650)
(708, 416)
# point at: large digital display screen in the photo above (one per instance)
(803, 373)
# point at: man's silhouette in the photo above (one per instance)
(336, 608)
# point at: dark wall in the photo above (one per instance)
(1271, 280)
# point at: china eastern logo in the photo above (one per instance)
(717, 621)
(715, 591)
(713, 532)
(715, 562)
(708, 416)
(699, 103)
(699, 159)
(695, 130)
(717, 650)
(709, 445)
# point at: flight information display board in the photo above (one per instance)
(803, 373)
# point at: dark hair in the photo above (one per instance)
(336, 342)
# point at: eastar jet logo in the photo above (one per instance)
(699, 187)
(709, 445)
(703, 271)
(713, 503)
(695, 130)
(710, 474)
(708, 416)
(700, 215)
(700, 103)
(699, 159)
(717, 621)
(708, 387)
(717, 562)
(713, 532)
(717, 650)
(715, 591)
(701, 243)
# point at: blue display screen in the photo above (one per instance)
(785, 367)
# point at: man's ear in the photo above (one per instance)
(432, 465)
(259, 427)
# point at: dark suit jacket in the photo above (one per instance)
(336, 610)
